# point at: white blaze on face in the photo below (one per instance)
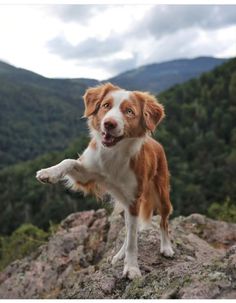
(115, 112)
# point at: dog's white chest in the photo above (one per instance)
(114, 172)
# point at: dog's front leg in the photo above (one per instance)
(57, 172)
(131, 268)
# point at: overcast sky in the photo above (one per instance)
(100, 41)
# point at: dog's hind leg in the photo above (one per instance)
(166, 248)
(164, 208)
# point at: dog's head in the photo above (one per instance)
(115, 114)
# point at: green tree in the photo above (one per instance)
(225, 211)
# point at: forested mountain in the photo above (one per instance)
(37, 114)
(60, 86)
(161, 76)
(198, 134)
(24, 199)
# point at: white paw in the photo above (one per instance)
(47, 175)
(167, 251)
(131, 272)
(119, 256)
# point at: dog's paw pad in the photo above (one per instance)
(44, 176)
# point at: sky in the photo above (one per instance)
(101, 41)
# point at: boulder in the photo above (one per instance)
(76, 261)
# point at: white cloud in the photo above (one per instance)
(89, 48)
(168, 19)
(99, 41)
(76, 13)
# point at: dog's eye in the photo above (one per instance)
(129, 112)
(106, 105)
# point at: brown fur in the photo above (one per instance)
(93, 144)
(133, 122)
(94, 96)
(90, 188)
(153, 111)
(150, 164)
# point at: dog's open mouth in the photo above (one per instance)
(109, 140)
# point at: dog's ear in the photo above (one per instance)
(94, 96)
(153, 111)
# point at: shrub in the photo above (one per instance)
(225, 211)
(23, 241)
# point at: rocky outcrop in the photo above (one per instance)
(75, 263)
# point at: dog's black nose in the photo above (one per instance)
(110, 124)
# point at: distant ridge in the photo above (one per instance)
(24, 76)
(158, 77)
(39, 114)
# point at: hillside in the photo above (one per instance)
(161, 76)
(199, 137)
(24, 199)
(23, 76)
(75, 263)
(37, 115)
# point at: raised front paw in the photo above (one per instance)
(47, 175)
(131, 272)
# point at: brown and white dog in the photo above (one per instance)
(125, 161)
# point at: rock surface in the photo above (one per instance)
(75, 263)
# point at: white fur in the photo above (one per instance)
(115, 113)
(131, 268)
(166, 248)
(57, 172)
(121, 253)
(110, 167)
